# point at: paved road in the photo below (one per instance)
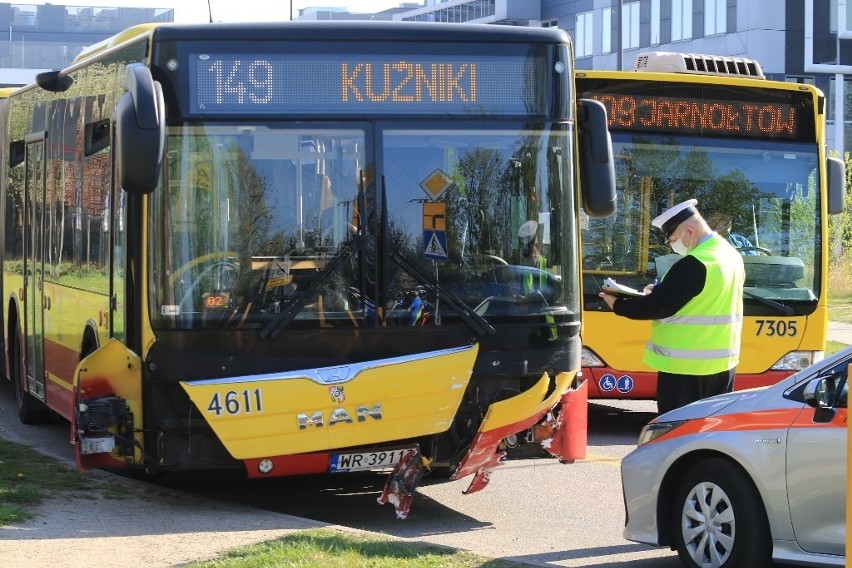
(537, 512)
(840, 331)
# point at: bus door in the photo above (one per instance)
(115, 211)
(34, 199)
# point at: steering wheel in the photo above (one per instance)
(596, 260)
(765, 251)
(490, 259)
(219, 275)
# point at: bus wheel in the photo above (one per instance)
(30, 409)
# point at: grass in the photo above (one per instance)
(840, 289)
(839, 308)
(840, 277)
(839, 296)
(834, 347)
(328, 548)
(28, 477)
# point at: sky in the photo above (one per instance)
(196, 11)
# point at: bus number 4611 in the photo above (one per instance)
(234, 402)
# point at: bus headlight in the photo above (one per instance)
(589, 359)
(798, 360)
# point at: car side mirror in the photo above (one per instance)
(821, 394)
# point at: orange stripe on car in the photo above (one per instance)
(774, 419)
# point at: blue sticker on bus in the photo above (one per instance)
(606, 382)
(625, 384)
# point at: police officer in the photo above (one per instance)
(531, 256)
(696, 311)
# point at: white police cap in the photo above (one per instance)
(668, 220)
(527, 231)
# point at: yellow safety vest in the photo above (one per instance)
(529, 280)
(529, 287)
(703, 337)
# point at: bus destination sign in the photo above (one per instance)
(701, 116)
(382, 84)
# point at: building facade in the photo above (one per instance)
(41, 37)
(319, 14)
(806, 41)
(503, 12)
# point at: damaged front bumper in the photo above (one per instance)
(558, 422)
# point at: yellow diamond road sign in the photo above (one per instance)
(436, 184)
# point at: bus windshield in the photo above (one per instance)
(763, 196)
(292, 225)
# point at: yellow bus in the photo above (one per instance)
(297, 248)
(753, 153)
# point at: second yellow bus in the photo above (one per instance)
(753, 153)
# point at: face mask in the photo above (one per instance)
(679, 247)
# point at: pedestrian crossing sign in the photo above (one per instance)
(435, 245)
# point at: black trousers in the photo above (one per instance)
(674, 390)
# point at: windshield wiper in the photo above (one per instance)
(479, 325)
(778, 306)
(474, 321)
(307, 295)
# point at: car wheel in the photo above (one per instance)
(719, 518)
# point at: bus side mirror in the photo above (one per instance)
(836, 171)
(597, 167)
(140, 127)
(54, 81)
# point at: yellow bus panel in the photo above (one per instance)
(384, 402)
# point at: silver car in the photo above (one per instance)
(742, 479)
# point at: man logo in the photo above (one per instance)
(339, 415)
